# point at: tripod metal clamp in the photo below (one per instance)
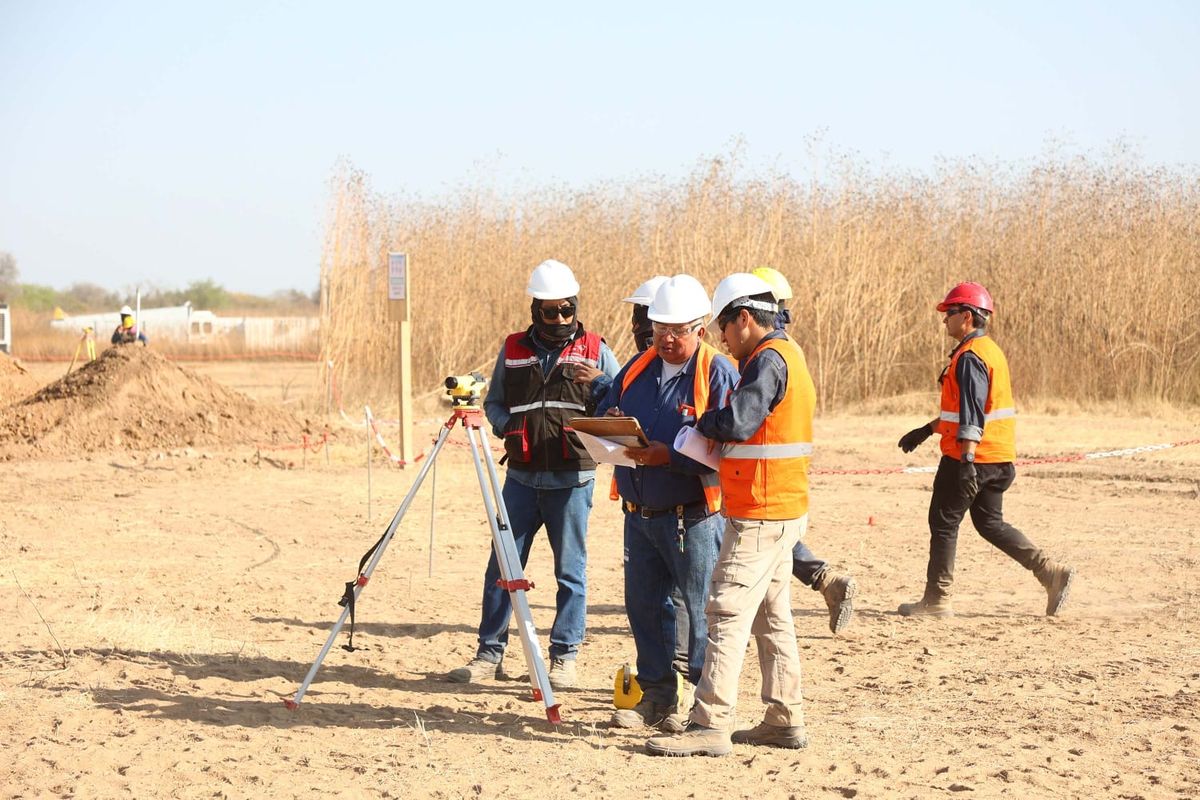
(512, 586)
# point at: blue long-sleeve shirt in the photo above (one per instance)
(762, 386)
(657, 409)
(495, 407)
(973, 386)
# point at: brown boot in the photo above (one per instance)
(478, 669)
(791, 737)
(695, 741)
(1056, 578)
(927, 607)
(839, 598)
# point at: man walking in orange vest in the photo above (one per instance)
(977, 424)
(764, 486)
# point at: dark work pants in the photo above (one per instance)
(946, 510)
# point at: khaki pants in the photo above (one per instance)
(751, 593)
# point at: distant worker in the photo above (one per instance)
(977, 423)
(126, 331)
(838, 590)
(767, 428)
(673, 527)
(533, 392)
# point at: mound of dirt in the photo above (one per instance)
(132, 398)
(15, 380)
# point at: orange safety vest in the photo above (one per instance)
(704, 359)
(766, 476)
(999, 441)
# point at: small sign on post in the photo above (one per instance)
(399, 301)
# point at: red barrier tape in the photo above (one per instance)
(304, 444)
(392, 457)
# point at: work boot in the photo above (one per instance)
(791, 737)
(695, 740)
(1056, 578)
(839, 597)
(476, 670)
(563, 674)
(927, 607)
(646, 713)
(677, 715)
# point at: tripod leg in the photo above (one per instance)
(294, 702)
(511, 572)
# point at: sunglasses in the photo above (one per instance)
(953, 312)
(677, 331)
(565, 312)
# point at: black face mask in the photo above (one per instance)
(643, 329)
(554, 333)
(783, 318)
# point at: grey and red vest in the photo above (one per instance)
(537, 437)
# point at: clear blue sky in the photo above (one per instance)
(168, 142)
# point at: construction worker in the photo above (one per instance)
(643, 339)
(126, 331)
(764, 490)
(671, 503)
(550, 475)
(813, 572)
(977, 423)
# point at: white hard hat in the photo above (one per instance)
(552, 280)
(126, 311)
(739, 287)
(680, 299)
(644, 294)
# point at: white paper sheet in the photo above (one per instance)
(605, 451)
(696, 447)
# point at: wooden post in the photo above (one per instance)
(399, 305)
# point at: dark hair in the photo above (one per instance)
(764, 319)
(979, 318)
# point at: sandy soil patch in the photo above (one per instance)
(158, 608)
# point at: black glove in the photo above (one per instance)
(968, 479)
(910, 440)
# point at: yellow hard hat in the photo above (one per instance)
(779, 284)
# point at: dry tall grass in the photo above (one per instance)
(1094, 266)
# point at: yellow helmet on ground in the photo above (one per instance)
(774, 278)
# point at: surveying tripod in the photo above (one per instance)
(512, 576)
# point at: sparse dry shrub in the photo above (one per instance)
(1094, 265)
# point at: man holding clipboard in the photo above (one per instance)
(671, 503)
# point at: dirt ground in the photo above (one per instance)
(159, 606)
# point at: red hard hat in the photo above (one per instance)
(967, 294)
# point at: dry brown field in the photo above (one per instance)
(159, 606)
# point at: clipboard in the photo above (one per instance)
(623, 430)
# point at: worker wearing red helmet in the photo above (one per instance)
(977, 423)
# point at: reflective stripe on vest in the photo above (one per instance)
(795, 450)
(766, 476)
(700, 383)
(998, 444)
(547, 404)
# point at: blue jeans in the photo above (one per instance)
(564, 513)
(654, 566)
(806, 566)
